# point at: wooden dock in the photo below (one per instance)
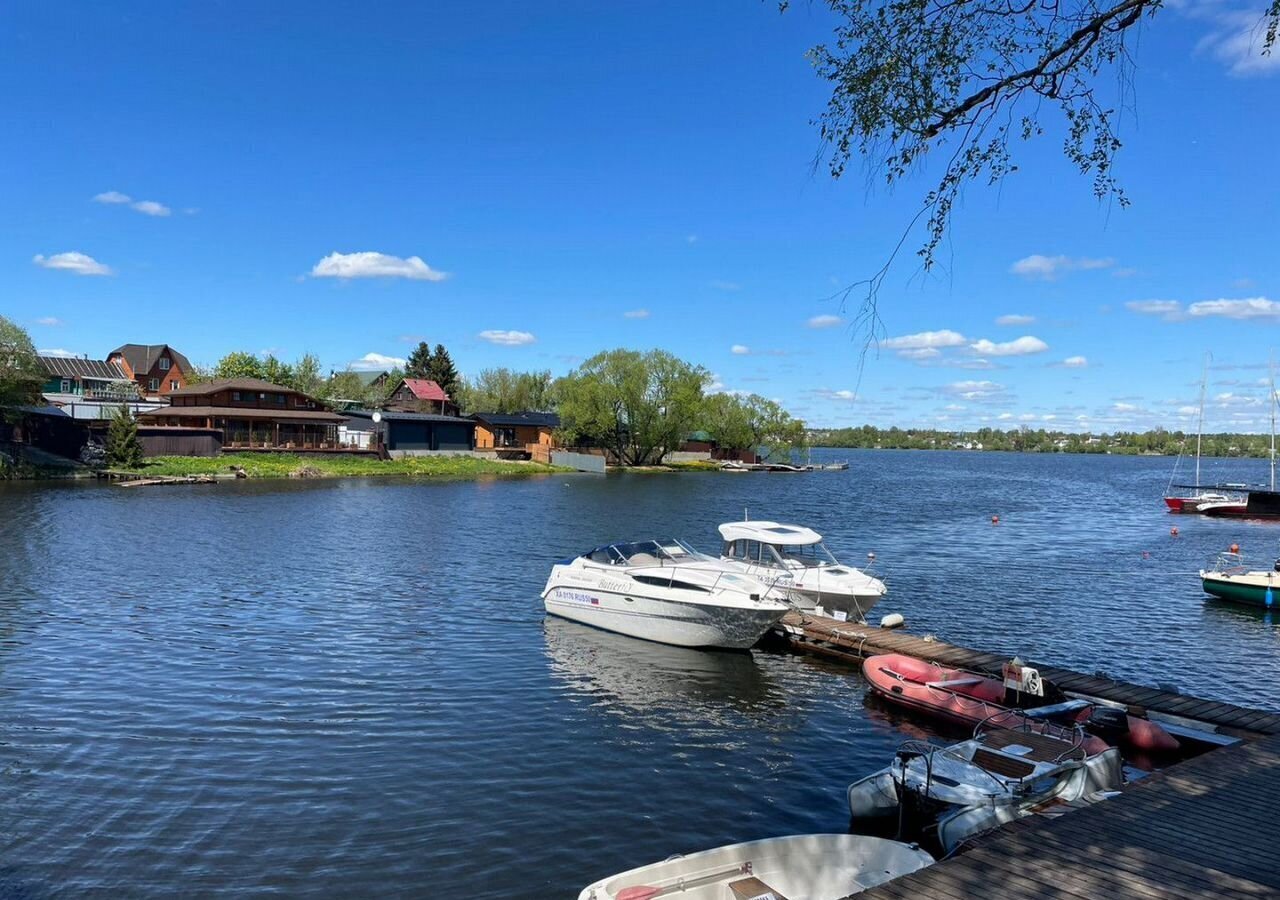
(1202, 828)
(853, 643)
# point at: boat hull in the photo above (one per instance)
(1253, 589)
(665, 621)
(910, 682)
(803, 867)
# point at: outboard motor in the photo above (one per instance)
(1109, 723)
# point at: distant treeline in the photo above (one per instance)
(1038, 440)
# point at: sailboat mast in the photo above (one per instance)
(1204, 380)
(1272, 404)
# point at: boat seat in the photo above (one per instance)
(643, 559)
(999, 764)
(954, 682)
(753, 888)
(1039, 747)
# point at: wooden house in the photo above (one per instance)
(421, 395)
(411, 433)
(252, 415)
(86, 380)
(157, 369)
(526, 435)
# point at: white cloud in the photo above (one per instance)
(923, 339)
(827, 321)
(972, 390)
(739, 350)
(112, 197)
(1251, 308)
(920, 353)
(1048, 268)
(367, 264)
(73, 261)
(1237, 41)
(50, 321)
(636, 314)
(691, 239)
(376, 362)
(507, 338)
(151, 208)
(1188, 410)
(1124, 407)
(844, 396)
(1013, 320)
(1242, 309)
(1075, 362)
(1022, 346)
(58, 351)
(1169, 310)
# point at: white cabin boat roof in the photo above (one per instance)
(769, 533)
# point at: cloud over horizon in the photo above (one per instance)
(370, 264)
(72, 261)
(507, 338)
(1049, 268)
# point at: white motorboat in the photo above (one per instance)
(663, 591)
(1002, 774)
(804, 570)
(800, 867)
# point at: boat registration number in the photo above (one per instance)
(577, 597)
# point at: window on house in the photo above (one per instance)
(280, 399)
(66, 386)
(173, 384)
(164, 364)
(153, 384)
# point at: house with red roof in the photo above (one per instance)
(421, 395)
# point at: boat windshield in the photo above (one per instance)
(645, 553)
(807, 555)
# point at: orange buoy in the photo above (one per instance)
(1235, 548)
(995, 520)
(1174, 531)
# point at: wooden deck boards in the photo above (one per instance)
(1204, 828)
(854, 642)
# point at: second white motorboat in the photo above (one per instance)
(799, 867)
(806, 573)
(665, 591)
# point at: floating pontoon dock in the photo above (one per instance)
(1201, 828)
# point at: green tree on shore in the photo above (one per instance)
(419, 362)
(503, 390)
(124, 447)
(239, 364)
(21, 374)
(639, 405)
(441, 370)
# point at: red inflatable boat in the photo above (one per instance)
(969, 699)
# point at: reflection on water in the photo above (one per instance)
(350, 687)
(666, 688)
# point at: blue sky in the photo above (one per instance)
(531, 184)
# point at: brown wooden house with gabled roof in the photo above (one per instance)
(157, 369)
(252, 414)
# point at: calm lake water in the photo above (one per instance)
(350, 687)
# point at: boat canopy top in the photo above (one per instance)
(645, 553)
(769, 533)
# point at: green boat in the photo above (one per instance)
(1231, 580)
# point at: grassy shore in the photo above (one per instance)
(285, 465)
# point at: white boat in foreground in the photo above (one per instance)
(806, 573)
(1000, 775)
(801, 867)
(662, 591)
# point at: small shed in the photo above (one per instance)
(526, 434)
(411, 433)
